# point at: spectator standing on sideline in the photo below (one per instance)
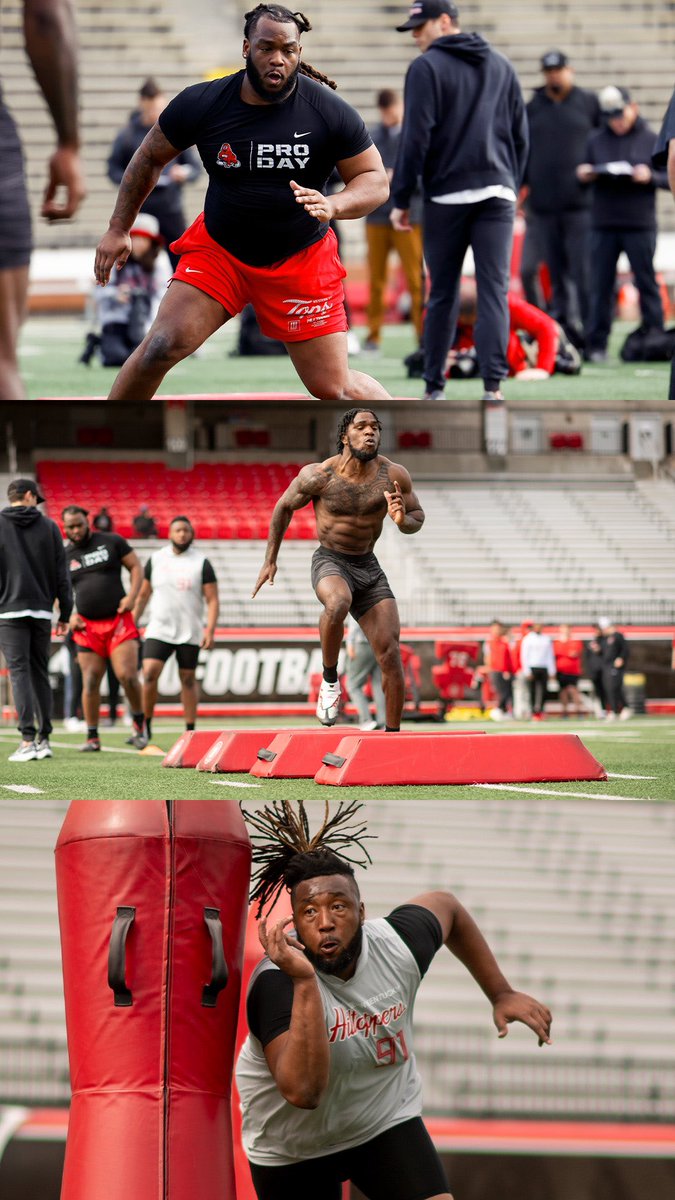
(264, 236)
(465, 133)
(33, 575)
(595, 667)
(560, 117)
(664, 158)
(165, 201)
(538, 664)
(352, 493)
(328, 1080)
(498, 660)
(521, 691)
(361, 666)
(381, 237)
(568, 654)
(127, 308)
(144, 523)
(50, 43)
(103, 627)
(178, 579)
(615, 657)
(623, 214)
(103, 520)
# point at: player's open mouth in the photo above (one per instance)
(274, 76)
(329, 947)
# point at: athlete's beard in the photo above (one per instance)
(337, 965)
(180, 549)
(363, 455)
(256, 81)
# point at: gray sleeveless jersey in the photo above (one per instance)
(177, 601)
(373, 1081)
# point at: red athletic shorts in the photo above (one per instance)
(299, 298)
(103, 636)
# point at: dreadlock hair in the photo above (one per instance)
(277, 12)
(71, 510)
(347, 421)
(284, 854)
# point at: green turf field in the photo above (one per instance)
(639, 756)
(50, 348)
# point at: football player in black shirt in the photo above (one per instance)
(268, 137)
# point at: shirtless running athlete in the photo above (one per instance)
(352, 493)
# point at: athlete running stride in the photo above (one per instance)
(352, 493)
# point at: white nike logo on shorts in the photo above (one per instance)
(192, 271)
(305, 134)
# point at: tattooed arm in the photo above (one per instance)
(138, 181)
(403, 506)
(309, 483)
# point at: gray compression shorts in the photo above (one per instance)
(15, 220)
(361, 572)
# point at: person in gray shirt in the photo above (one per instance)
(327, 1077)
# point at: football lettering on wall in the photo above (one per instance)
(250, 671)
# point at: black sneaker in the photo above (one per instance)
(91, 745)
(140, 738)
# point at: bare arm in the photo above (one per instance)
(142, 600)
(51, 46)
(210, 591)
(132, 563)
(464, 939)
(138, 181)
(299, 1058)
(404, 507)
(366, 187)
(308, 484)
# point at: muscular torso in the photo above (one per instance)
(350, 512)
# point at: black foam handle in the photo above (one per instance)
(122, 923)
(219, 971)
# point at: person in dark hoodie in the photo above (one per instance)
(465, 133)
(165, 201)
(623, 214)
(33, 574)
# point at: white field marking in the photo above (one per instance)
(615, 775)
(70, 746)
(22, 787)
(234, 783)
(513, 787)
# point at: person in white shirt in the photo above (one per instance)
(179, 579)
(537, 661)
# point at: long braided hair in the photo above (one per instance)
(277, 12)
(284, 853)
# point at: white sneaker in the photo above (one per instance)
(625, 714)
(74, 725)
(353, 343)
(26, 752)
(496, 714)
(611, 716)
(43, 749)
(328, 704)
(368, 726)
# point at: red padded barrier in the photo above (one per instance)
(429, 759)
(190, 748)
(235, 750)
(151, 1079)
(297, 753)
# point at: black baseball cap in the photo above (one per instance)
(422, 11)
(553, 60)
(18, 488)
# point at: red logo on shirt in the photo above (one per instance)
(227, 157)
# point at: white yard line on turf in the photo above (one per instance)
(234, 783)
(513, 787)
(22, 787)
(615, 775)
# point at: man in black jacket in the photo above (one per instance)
(623, 214)
(33, 574)
(614, 648)
(165, 201)
(465, 133)
(560, 118)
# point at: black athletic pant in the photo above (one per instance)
(613, 681)
(538, 686)
(503, 687)
(449, 230)
(606, 246)
(25, 642)
(565, 237)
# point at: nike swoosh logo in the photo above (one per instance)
(192, 271)
(305, 134)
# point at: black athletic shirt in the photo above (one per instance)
(269, 1002)
(95, 572)
(252, 151)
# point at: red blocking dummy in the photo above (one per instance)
(153, 898)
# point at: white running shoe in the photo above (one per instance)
(26, 752)
(625, 714)
(43, 749)
(328, 704)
